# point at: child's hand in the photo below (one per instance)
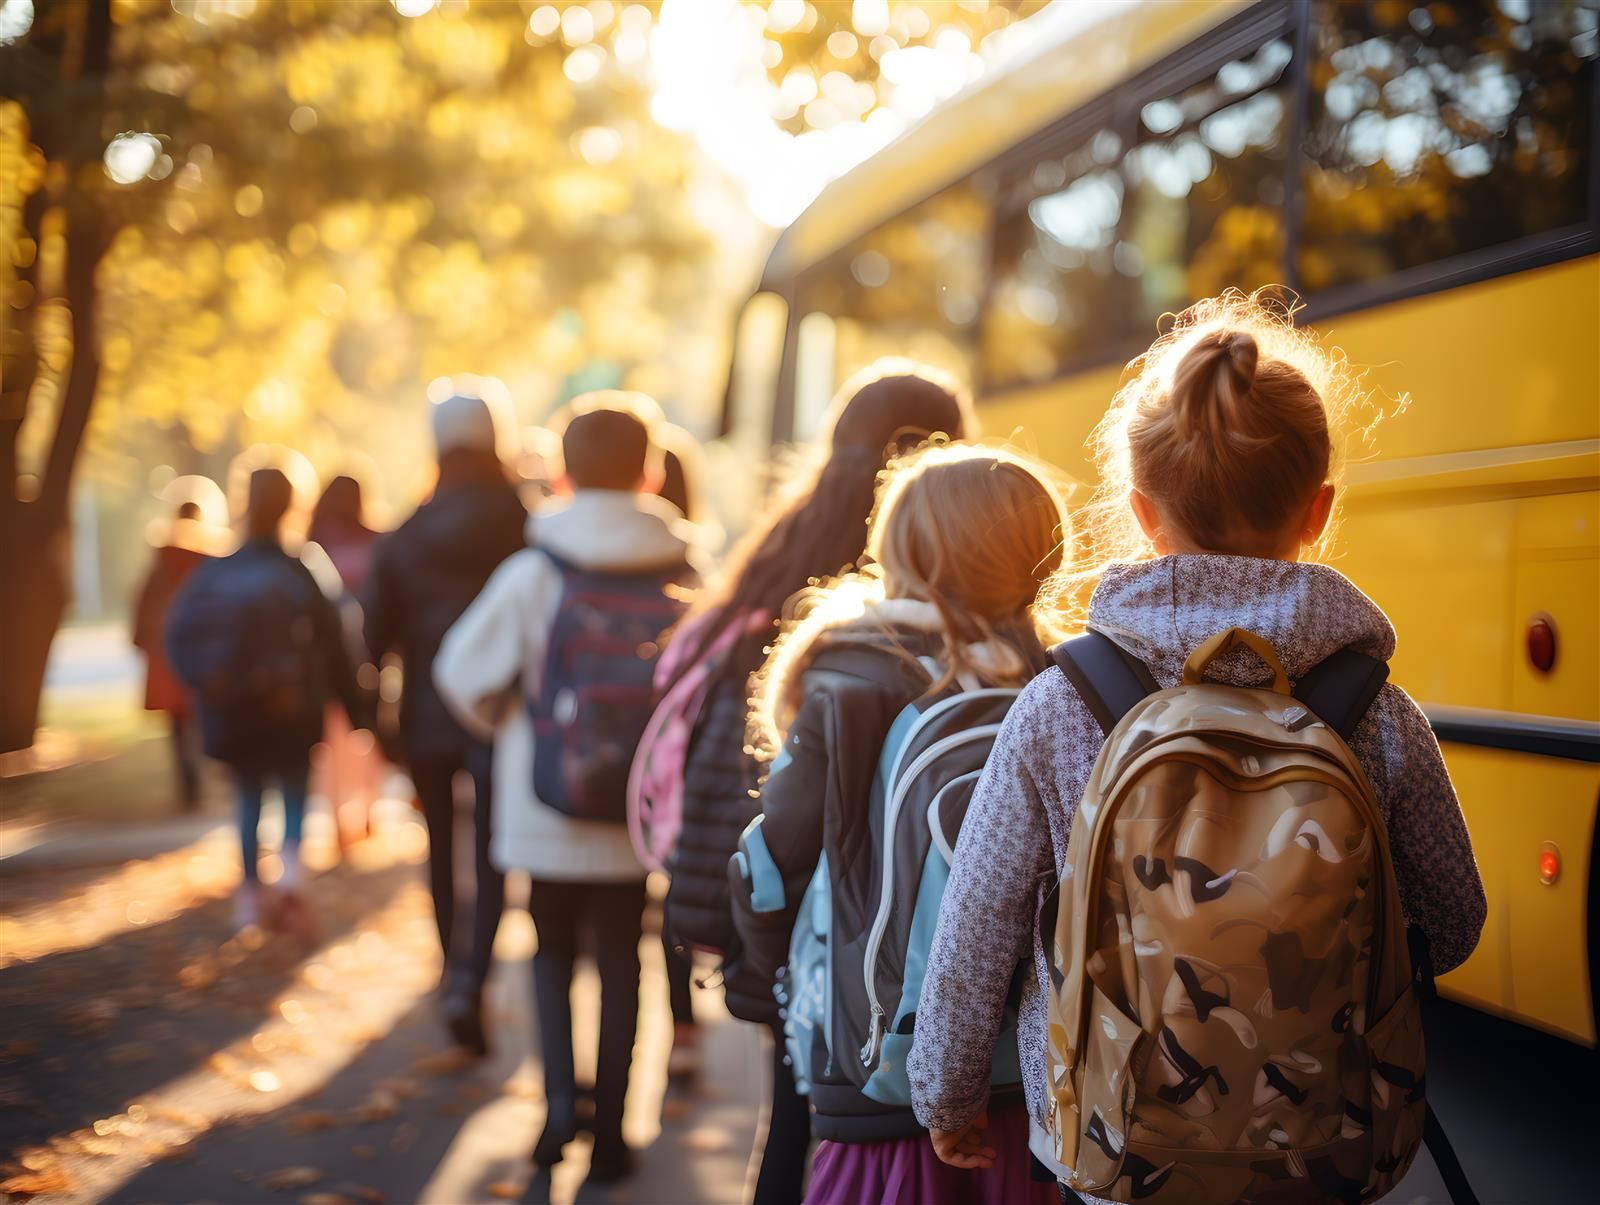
(966, 1147)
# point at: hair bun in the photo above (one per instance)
(1212, 380)
(1241, 357)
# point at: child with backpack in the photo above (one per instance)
(554, 660)
(1214, 884)
(261, 648)
(695, 777)
(881, 706)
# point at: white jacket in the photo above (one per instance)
(494, 655)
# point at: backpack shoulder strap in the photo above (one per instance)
(1107, 679)
(1339, 689)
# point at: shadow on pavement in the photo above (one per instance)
(88, 1030)
(382, 1124)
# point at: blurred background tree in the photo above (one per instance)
(232, 221)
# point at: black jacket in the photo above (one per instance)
(719, 778)
(261, 647)
(821, 800)
(424, 575)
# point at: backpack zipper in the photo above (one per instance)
(902, 787)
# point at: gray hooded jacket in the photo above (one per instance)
(1013, 843)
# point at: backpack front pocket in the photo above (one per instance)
(1113, 1043)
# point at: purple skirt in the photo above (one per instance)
(907, 1172)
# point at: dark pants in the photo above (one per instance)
(185, 735)
(609, 918)
(782, 1180)
(468, 940)
(680, 988)
(249, 786)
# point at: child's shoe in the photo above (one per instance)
(461, 1009)
(249, 906)
(293, 916)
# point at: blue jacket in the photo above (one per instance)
(261, 648)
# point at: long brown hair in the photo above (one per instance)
(816, 527)
(974, 532)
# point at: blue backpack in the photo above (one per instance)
(243, 636)
(859, 994)
(597, 690)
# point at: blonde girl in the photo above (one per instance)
(962, 542)
(1216, 461)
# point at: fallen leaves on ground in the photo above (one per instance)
(30, 1184)
(292, 1177)
(307, 1123)
(451, 1061)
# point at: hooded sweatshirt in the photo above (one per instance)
(492, 658)
(1013, 843)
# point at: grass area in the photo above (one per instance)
(106, 759)
(101, 718)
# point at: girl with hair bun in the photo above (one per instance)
(1217, 467)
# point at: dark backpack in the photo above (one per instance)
(243, 637)
(857, 959)
(597, 692)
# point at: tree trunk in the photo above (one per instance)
(32, 605)
(35, 533)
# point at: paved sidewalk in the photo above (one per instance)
(150, 1055)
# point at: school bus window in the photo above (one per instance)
(1205, 186)
(909, 288)
(1054, 277)
(1435, 130)
(1094, 245)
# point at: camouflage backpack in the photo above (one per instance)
(1232, 1016)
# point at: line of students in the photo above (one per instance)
(1217, 470)
(904, 576)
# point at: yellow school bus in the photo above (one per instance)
(1425, 177)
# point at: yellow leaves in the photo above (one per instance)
(462, 50)
(450, 117)
(363, 79)
(576, 198)
(504, 220)
(344, 227)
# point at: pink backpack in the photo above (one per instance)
(655, 781)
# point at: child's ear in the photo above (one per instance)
(562, 486)
(1149, 516)
(650, 482)
(1317, 514)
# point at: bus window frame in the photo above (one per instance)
(1118, 111)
